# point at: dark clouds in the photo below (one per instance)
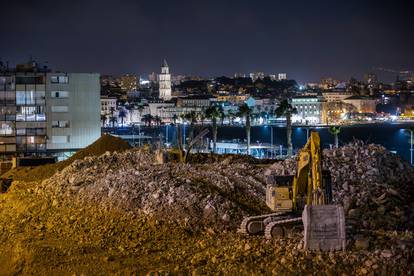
(307, 39)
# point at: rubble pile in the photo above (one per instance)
(121, 213)
(374, 185)
(215, 194)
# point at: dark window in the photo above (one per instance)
(30, 80)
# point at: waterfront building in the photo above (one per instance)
(310, 110)
(108, 104)
(363, 104)
(44, 112)
(108, 108)
(335, 96)
(195, 101)
(165, 82)
(232, 98)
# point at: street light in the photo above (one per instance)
(166, 134)
(133, 134)
(271, 141)
(139, 134)
(411, 130)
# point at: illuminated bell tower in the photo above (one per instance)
(165, 82)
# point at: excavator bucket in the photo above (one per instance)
(324, 227)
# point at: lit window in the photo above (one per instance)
(59, 79)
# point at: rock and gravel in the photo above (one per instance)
(375, 186)
(194, 195)
(120, 213)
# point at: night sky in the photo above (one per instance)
(307, 39)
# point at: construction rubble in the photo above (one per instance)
(122, 213)
(203, 195)
(374, 185)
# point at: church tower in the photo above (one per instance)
(165, 82)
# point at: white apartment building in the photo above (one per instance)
(43, 112)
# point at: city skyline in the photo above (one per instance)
(308, 41)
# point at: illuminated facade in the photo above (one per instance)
(310, 110)
(43, 112)
(363, 104)
(165, 82)
(281, 76)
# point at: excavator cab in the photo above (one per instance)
(279, 193)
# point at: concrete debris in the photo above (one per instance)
(123, 213)
(374, 185)
(191, 195)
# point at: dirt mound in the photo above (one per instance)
(212, 195)
(103, 144)
(374, 185)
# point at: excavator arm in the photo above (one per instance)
(309, 182)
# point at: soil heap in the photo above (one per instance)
(103, 144)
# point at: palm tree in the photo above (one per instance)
(222, 116)
(232, 115)
(147, 118)
(113, 120)
(286, 109)
(246, 112)
(140, 110)
(104, 118)
(122, 115)
(191, 117)
(157, 120)
(335, 130)
(213, 113)
(112, 111)
(175, 118)
(201, 116)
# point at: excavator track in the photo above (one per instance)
(278, 227)
(256, 224)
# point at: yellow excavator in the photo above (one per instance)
(288, 195)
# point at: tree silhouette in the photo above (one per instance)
(286, 109)
(246, 112)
